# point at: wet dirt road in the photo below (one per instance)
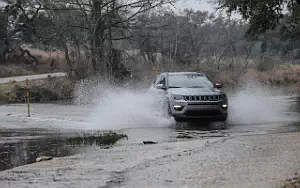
(243, 155)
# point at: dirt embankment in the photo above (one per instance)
(37, 61)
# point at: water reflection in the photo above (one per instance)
(25, 152)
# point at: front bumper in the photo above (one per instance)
(189, 110)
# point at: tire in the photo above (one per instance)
(223, 119)
(224, 125)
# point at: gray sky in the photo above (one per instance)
(1, 3)
(195, 4)
(182, 4)
(200, 5)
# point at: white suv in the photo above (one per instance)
(192, 96)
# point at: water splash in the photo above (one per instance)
(121, 107)
(257, 104)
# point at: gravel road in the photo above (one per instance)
(234, 161)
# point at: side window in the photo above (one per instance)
(209, 81)
(157, 80)
(162, 81)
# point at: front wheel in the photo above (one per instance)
(223, 118)
(224, 125)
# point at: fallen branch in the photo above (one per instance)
(3, 162)
(24, 51)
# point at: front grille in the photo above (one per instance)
(202, 113)
(202, 98)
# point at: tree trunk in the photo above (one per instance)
(69, 64)
(99, 65)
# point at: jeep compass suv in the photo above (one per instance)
(191, 96)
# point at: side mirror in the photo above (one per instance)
(218, 86)
(160, 86)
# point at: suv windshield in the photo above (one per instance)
(188, 81)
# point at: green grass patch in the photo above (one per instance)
(99, 139)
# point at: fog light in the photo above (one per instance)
(178, 107)
(224, 106)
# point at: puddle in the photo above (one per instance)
(24, 147)
(26, 151)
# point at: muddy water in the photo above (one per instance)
(26, 151)
(17, 148)
(23, 139)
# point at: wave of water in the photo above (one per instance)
(121, 107)
(257, 104)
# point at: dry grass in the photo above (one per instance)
(14, 70)
(52, 89)
(280, 75)
(276, 76)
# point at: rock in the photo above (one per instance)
(149, 142)
(185, 136)
(44, 158)
(106, 147)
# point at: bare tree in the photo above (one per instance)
(95, 25)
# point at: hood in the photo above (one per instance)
(193, 91)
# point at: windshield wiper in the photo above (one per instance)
(174, 87)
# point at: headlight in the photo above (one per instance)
(177, 97)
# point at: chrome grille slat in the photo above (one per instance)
(202, 98)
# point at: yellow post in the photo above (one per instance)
(27, 98)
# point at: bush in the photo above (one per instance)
(266, 63)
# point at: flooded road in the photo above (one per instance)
(46, 133)
(23, 139)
